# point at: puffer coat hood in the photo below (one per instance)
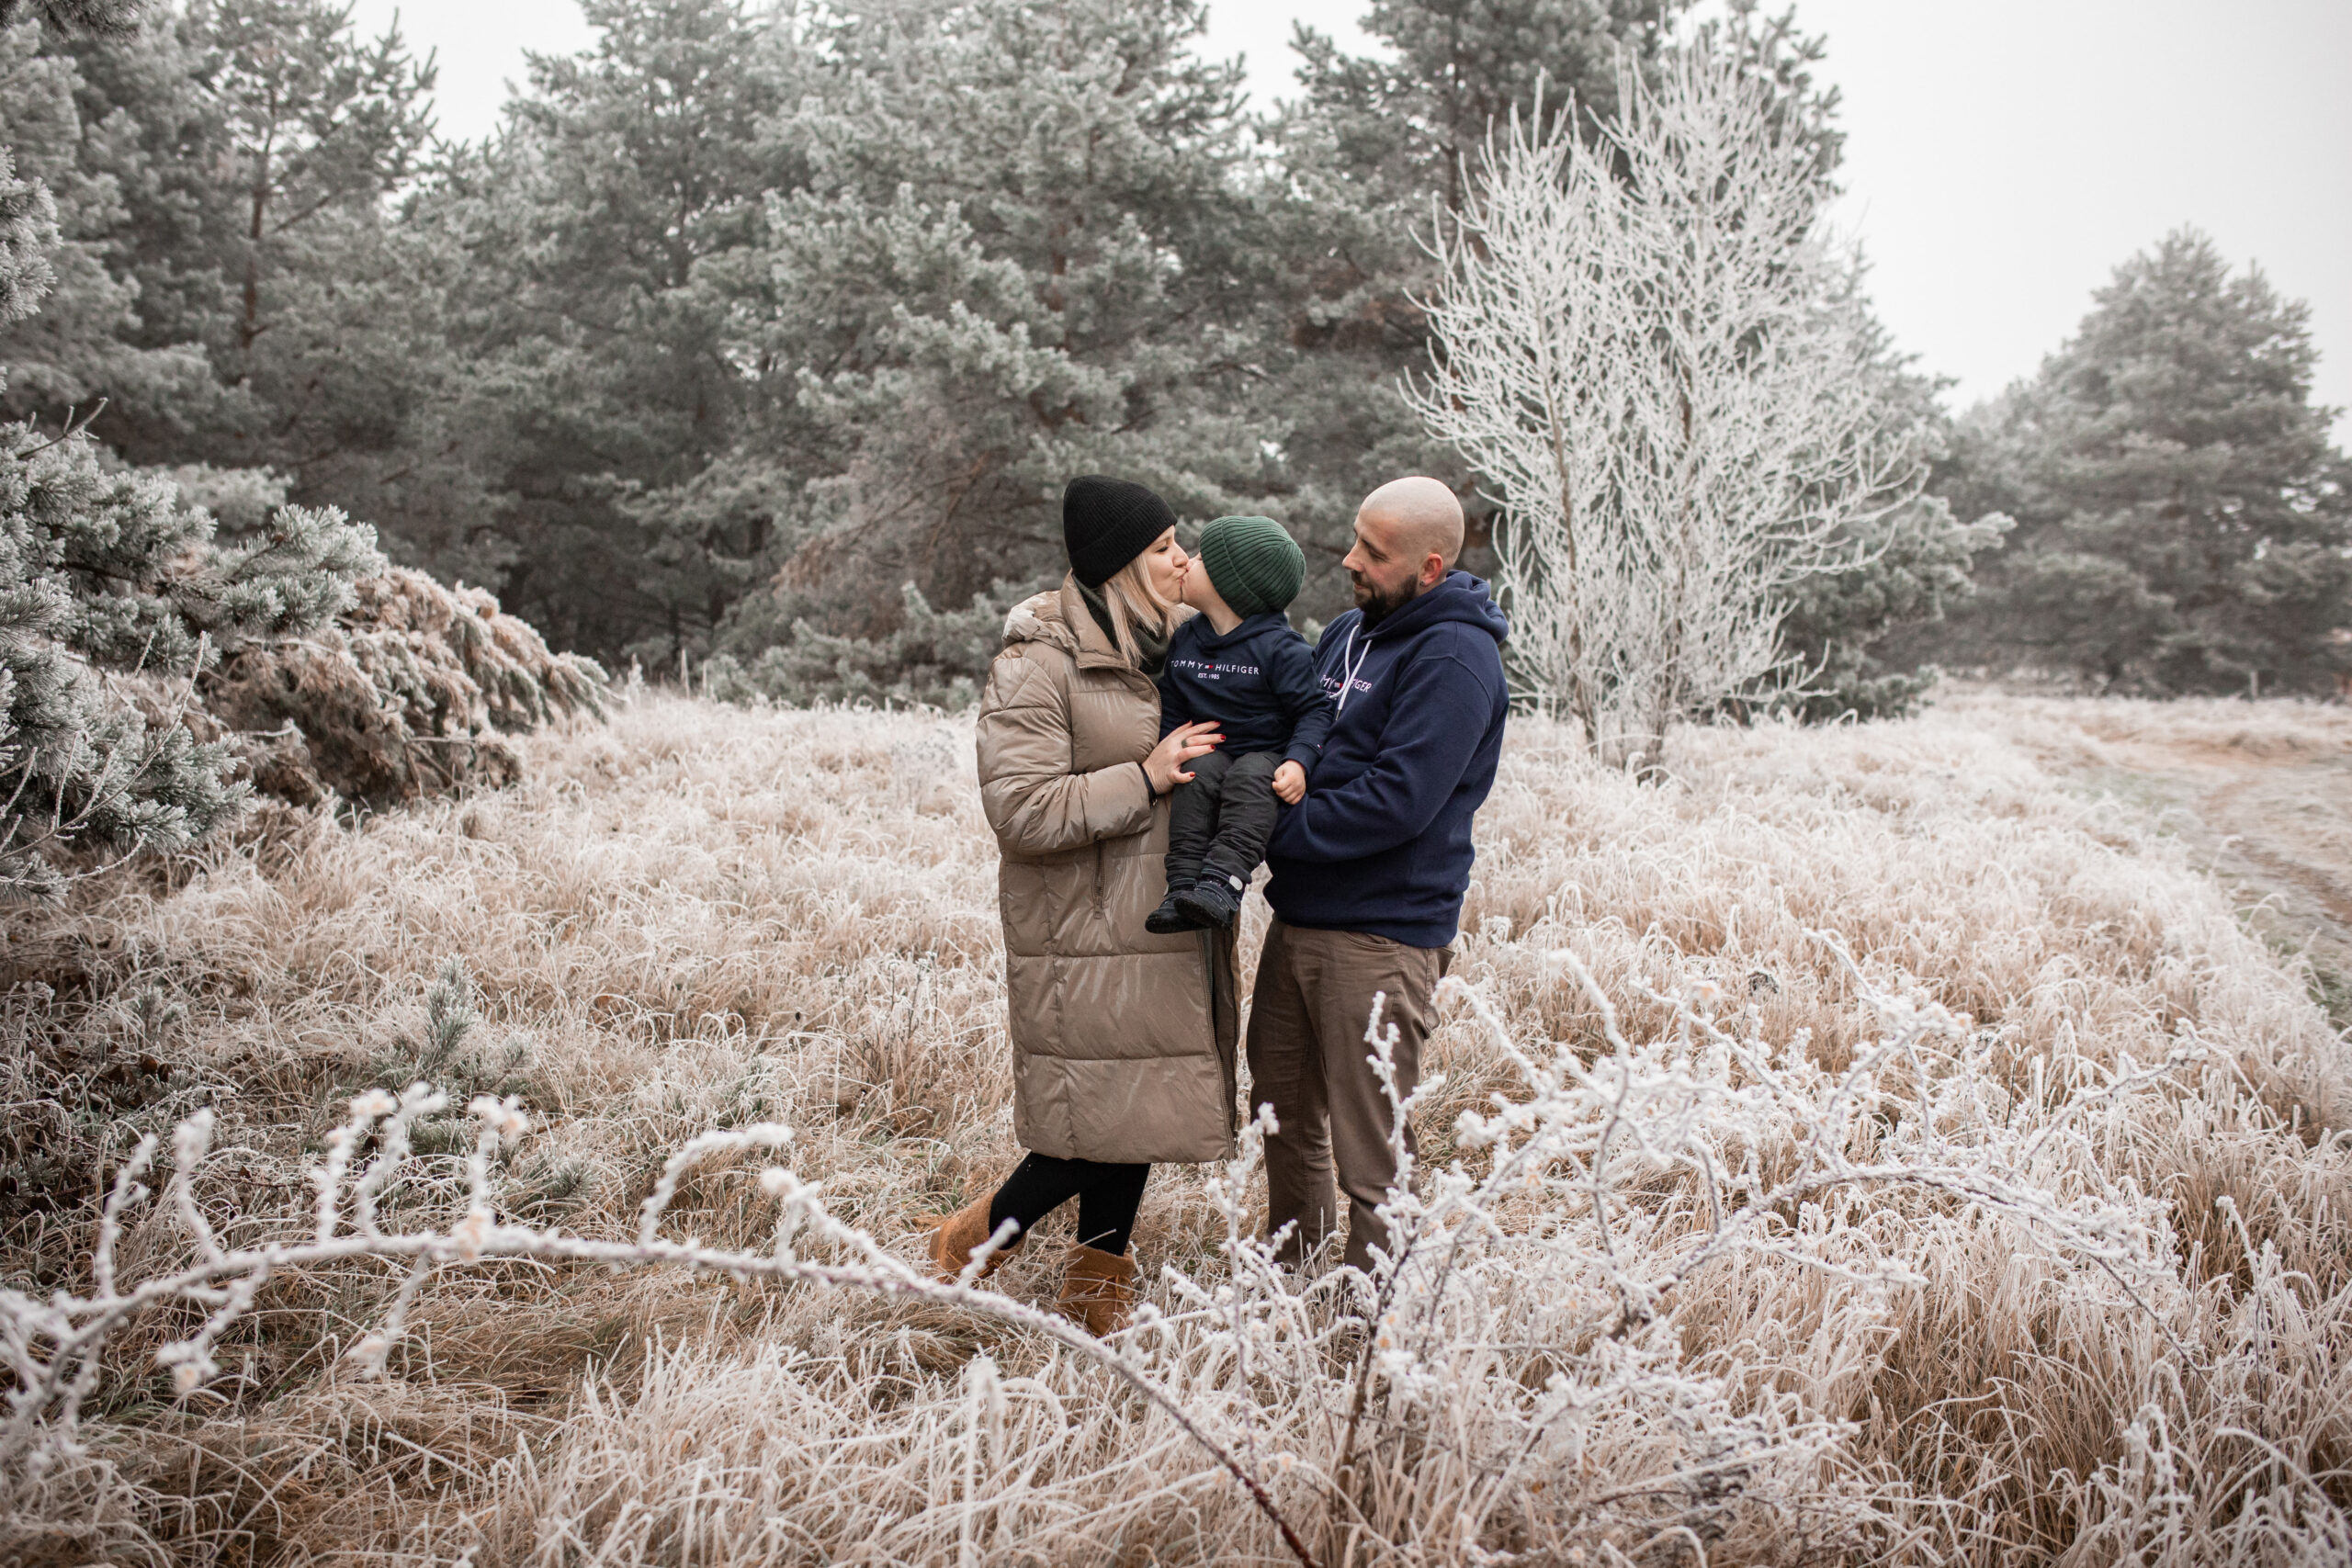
(1122, 1041)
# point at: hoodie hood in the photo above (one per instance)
(1460, 597)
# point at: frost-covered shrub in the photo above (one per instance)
(121, 590)
(175, 641)
(413, 691)
(115, 598)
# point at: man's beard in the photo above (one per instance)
(1378, 606)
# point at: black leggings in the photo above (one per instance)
(1108, 1197)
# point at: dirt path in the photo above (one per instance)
(2262, 800)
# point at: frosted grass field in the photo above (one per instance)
(1964, 1184)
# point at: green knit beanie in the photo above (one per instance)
(1253, 563)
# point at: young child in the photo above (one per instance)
(1240, 664)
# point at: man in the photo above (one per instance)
(1369, 870)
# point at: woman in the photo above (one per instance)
(1122, 1041)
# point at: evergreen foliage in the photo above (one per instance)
(932, 656)
(412, 692)
(121, 591)
(400, 688)
(1856, 636)
(2184, 524)
(748, 319)
(114, 597)
(27, 232)
(599, 250)
(75, 16)
(231, 280)
(1027, 247)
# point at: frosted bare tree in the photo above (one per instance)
(1651, 349)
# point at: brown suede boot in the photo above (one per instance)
(955, 1237)
(1099, 1292)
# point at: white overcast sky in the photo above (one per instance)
(2001, 156)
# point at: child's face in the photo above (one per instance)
(1199, 592)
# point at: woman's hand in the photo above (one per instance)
(1165, 766)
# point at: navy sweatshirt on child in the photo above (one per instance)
(1380, 844)
(1257, 682)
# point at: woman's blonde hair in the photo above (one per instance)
(1134, 602)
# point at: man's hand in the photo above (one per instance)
(1290, 784)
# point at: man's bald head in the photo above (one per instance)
(1421, 512)
(1407, 534)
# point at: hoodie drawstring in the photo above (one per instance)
(1347, 670)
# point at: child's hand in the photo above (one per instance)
(1290, 784)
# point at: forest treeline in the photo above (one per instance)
(766, 335)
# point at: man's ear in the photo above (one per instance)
(1433, 570)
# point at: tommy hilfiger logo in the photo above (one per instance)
(1210, 670)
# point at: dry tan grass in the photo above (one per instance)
(701, 917)
(2260, 798)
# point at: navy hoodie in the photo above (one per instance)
(1380, 844)
(1257, 682)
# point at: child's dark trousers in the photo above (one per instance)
(1222, 819)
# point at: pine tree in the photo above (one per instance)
(122, 129)
(1856, 638)
(75, 15)
(27, 232)
(228, 281)
(1028, 243)
(603, 243)
(113, 598)
(1407, 121)
(318, 125)
(2184, 522)
(83, 344)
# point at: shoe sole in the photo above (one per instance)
(1207, 918)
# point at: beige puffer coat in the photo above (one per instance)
(1122, 1041)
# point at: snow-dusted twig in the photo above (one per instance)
(1521, 1313)
(54, 1347)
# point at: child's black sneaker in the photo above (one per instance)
(1214, 900)
(1168, 921)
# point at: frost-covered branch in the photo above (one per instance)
(54, 1347)
(1527, 1320)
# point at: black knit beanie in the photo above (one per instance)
(1107, 522)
